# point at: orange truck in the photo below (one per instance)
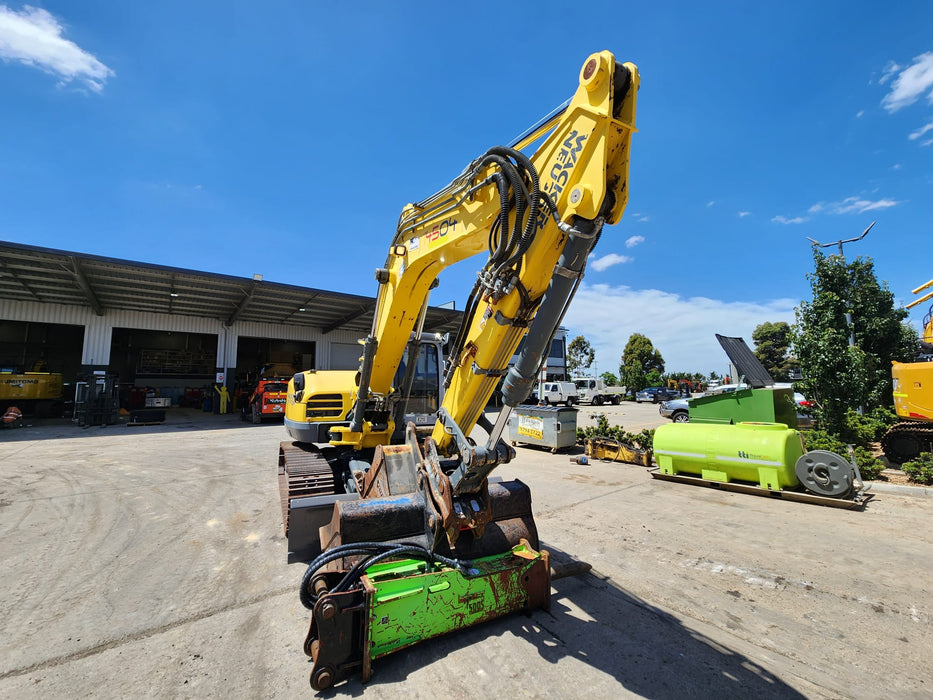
(268, 399)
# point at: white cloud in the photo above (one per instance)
(34, 37)
(854, 205)
(607, 261)
(896, 166)
(920, 132)
(711, 203)
(860, 114)
(851, 205)
(633, 241)
(642, 219)
(743, 214)
(911, 83)
(683, 329)
(779, 219)
(889, 71)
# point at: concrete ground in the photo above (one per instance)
(149, 561)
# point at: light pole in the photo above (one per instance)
(816, 244)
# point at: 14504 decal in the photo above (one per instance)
(438, 231)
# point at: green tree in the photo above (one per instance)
(838, 376)
(580, 355)
(772, 348)
(609, 379)
(641, 363)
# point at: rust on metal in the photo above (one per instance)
(438, 486)
(341, 621)
(473, 512)
(375, 482)
(613, 450)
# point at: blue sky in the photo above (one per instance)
(284, 139)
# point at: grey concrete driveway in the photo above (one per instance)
(150, 562)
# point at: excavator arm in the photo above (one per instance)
(538, 217)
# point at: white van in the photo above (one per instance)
(560, 392)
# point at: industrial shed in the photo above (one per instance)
(168, 328)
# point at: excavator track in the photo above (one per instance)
(905, 441)
(303, 471)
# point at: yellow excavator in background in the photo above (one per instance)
(415, 538)
(35, 392)
(913, 396)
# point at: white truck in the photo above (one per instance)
(593, 390)
(560, 392)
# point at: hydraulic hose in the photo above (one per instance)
(532, 198)
(518, 188)
(373, 553)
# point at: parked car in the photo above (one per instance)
(656, 394)
(678, 410)
(724, 389)
(804, 419)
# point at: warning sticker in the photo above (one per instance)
(531, 426)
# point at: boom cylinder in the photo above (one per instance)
(563, 284)
(366, 370)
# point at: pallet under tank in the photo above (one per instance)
(783, 494)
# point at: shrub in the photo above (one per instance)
(920, 470)
(864, 429)
(884, 415)
(642, 440)
(868, 466)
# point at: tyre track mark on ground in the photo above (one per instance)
(24, 448)
(143, 634)
(150, 485)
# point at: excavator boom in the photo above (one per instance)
(529, 213)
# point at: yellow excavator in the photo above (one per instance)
(913, 396)
(408, 535)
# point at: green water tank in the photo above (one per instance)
(746, 405)
(764, 453)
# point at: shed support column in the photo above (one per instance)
(98, 336)
(226, 352)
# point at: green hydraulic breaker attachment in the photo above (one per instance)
(399, 603)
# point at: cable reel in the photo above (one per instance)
(825, 473)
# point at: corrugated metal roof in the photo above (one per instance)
(44, 275)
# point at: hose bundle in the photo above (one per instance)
(372, 553)
(517, 184)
